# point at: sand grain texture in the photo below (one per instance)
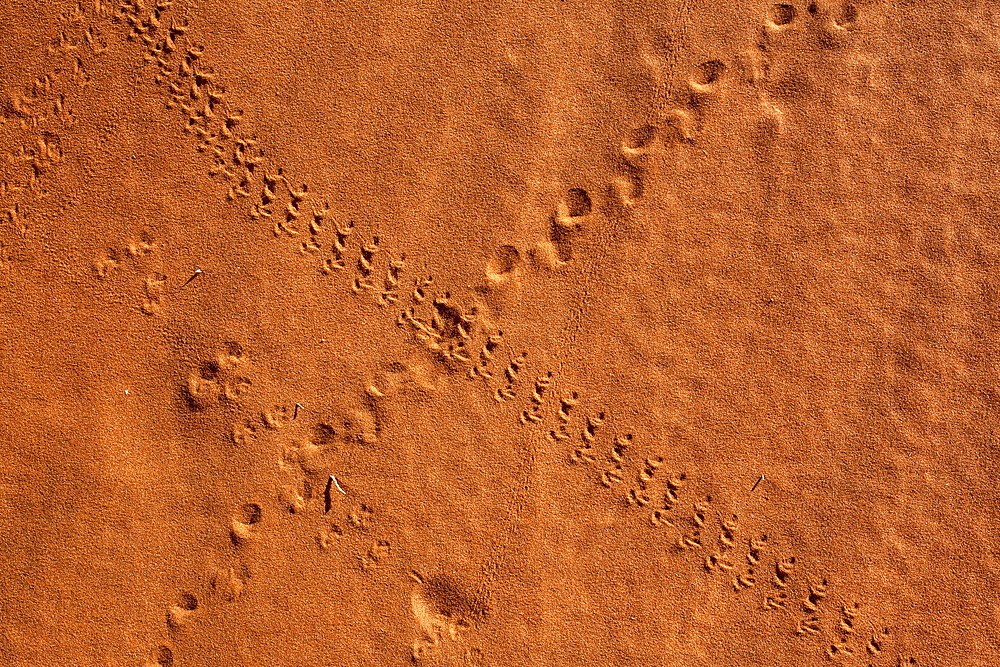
(481, 334)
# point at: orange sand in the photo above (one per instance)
(488, 334)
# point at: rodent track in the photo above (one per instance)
(44, 109)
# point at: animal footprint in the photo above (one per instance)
(817, 591)
(876, 644)
(361, 518)
(244, 431)
(584, 454)
(242, 526)
(534, 413)
(481, 369)
(613, 476)
(566, 404)
(375, 556)
(153, 303)
(390, 285)
(329, 535)
(183, 612)
(783, 570)
(161, 656)
(278, 416)
(228, 582)
(503, 266)
(365, 267)
(809, 627)
(512, 374)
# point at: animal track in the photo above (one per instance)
(228, 583)
(242, 527)
(445, 613)
(754, 553)
(183, 611)
(161, 656)
(533, 414)
(376, 555)
(481, 368)
(614, 476)
(584, 454)
(639, 494)
(338, 262)
(503, 266)
(365, 267)
(720, 559)
(810, 623)
(673, 484)
(217, 380)
(44, 108)
(845, 632)
(512, 375)
(567, 402)
(390, 285)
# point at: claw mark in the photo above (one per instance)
(485, 355)
(816, 594)
(512, 373)
(783, 572)
(584, 454)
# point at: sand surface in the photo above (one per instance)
(495, 333)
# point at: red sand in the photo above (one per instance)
(470, 334)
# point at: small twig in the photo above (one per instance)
(297, 406)
(197, 272)
(759, 480)
(337, 484)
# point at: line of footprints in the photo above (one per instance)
(44, 108)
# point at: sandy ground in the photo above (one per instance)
(478, 334)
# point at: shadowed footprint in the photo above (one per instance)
(241, 528)
(161, 656)
(180, 614)
(503, 266)
(445, 611)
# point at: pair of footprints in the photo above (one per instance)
(677, 126)
(226, 583)
(274, 418)
(541, 388)
(723, 559)
(219, 379)
(587, 454)
(82, 35)
(537, 401)
(154, 285)
(830, 24)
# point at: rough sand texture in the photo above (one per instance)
(481, 334)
